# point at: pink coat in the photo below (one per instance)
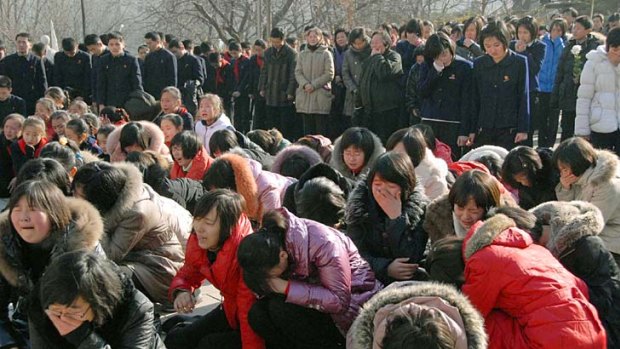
(328, 273)
(271, 186)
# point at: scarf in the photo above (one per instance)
(260, 61)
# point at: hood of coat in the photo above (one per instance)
(569, 222)
(485, 150)
(361, 334)
(246, 171)
(127, 198)
(499, 230)
(597, 56)
(359, 202)
(308, 154)
(156, 144)
(84, 232)
(337, 160)
(606, 168)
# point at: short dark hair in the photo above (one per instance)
(358, 137)
(38, 48)
(102, 184)
(170, 37)
(83, 274)
(105, 38)
(561, 23)
(496, 29)
(519, 160)
(23, 35)
(385, 38)
(530, 24)
(478, 186)
(614, 17)
(234, 46)
(189, 142)
(573, 12)
(105, 130)
(116, 36)
(291, 41)
(260, 43)
(396, 168)
(357, 33)
(492, 163)
(69, 44)
(341, 30)
(599, 16)
(188, 44)
(478, 22)
(428, 134)
(45, 196)
(263, 139)
(245, 45)
(5, 82)
(260, 252)
(114, 114)
(174, 43)
(153, 166)
(613, 38)
(321, 200)
(585, 21)
(220, 176)
(436, 44)
(294, 165)
(175, 119)
(79, 126)
(91, 39)
(67, 154)
(421, 329)
(412, 140)
(206, 47)
(576, 153)
(277, 33)
(222, 141)
(134, 133)
(228, 206)
(48, 170)
(154, 36)
(214, 58)
(444, 261)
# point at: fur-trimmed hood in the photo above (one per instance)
(337, 160)
(503, 228)
(485, 150)
(84, 232)
(308, 154)
(157, 143)
(127, 198)
(569, 222)
(606, 168)
(360, 335)
(245, 182)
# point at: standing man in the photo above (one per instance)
(160, 66)
(118, 74)
(206, 48)
(277, 84)
(240, 86)
(26, 72)
(143, 50)
(190, 75)
(72, 70)
(258, 102)
(97, 49)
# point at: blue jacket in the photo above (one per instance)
(446, 95)
(550, 63)
(535, 54)
(501, 93)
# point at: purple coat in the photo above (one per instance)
(271, 186)
(342, 284)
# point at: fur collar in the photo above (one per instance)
(361, 333)
(606, 168)
(358, 205)
(131, 193)
(487, 232)
(337, 160)
(84, 232)
(569, 222)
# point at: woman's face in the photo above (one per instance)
(522, 179)
(31, 223)
(341, 39)
(104, 120)
(79, 310)
(565, 169)
(207, 230)
(70, 134)
(471, 33)
(359, 44)
(41, 111)
(494, 48)
(169, 104)
(177, 155)
(469, 214)
(556, 32)
(353, 158)
(376, 43)
(524, 35)
(170, 129)
(208, 112)
(102, 140)
(312, 38)
(380, 184)
(12, 129)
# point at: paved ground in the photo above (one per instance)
(209, 299)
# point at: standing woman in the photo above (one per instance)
(548, 117)
(314, 73)
(354, 57)
(598, 110)
(219, 227)
(467, 46)
(380, 93)
(528, 45)
(339, 90)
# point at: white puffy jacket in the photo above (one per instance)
(598, 97)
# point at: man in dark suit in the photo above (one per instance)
(160, 66)
(72, 70)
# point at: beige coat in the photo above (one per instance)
(600, 186)
(315, 68)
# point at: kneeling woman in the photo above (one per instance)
(219, 227)
(71, 310)
(313, 277)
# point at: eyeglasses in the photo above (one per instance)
(67, 314)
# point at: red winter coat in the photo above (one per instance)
(200, 164)
(528, 299)
(225, 275)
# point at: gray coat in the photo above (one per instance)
(351, 74)
(277, 78)
(317, 69)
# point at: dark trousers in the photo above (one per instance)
(568, 124)
(610, 141)
(209, 331)
(284, 119)
(241, 108)
(258, 116)
(548, 119)
(315, 124)
(448, 133)
(285, 325)
(383, 124)
(534, 118)
(502, 137)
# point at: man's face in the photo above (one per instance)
(142, 53)
(580, 32)
(598, 23)
(71, 53)
(116, 47)
(23, 45)
(178, 52)
(235, 54)
(152, 44)
(5, 92)
(276, 43)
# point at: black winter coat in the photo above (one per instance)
(117, 77)
(469, 53)
(564, 95)
(545, 182)
(73, 73)
(379, 239)
(379, 86)
(242, 83)
(277, 78)
(184, 191)
(535, 54)
(160, 71)
(254, 77)
(13, 104)
(28, 77)
(501, 94)
(446, 95)
(6, 166)
(189, 68)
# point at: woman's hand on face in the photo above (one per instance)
(64, 324)
(399, 269)
(278, 285)
(184, 302)
(390, 204)
(567, 180)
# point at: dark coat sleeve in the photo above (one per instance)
(466, 102)
(136, 75)
(292, 82)
(171, 70)
(358, 232)
(21, 106)
(58, 71)
(523, 118)
(101, 81)
(7, 339)
(40, 80)
(560, 75)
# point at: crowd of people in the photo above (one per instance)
(363, 189)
